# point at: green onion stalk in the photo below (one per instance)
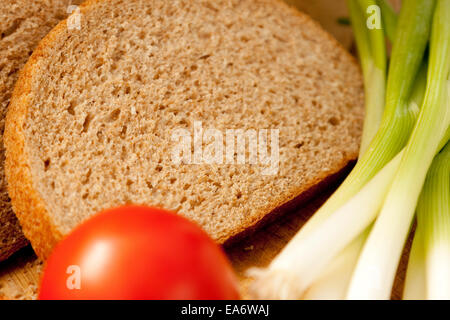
(390, 19)
(285, 277)
(415, 282)
(415, 285)
(372, 54)
(375, 271)
(434, 212)
(354, 219)
(428, 273)
(399, 115)
(334, 280)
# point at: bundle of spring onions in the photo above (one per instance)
(351, 247)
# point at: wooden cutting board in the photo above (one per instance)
(19, 276)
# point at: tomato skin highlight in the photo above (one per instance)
(137, 253)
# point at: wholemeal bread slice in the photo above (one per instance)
(23, 24)
(92, 118)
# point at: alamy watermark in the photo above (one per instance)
(228, 147)
(73, 281)
(74, 20)
(374, 17)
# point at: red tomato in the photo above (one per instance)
(138, 253)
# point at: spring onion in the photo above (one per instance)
(428, 273)
(415, 283)
(434, 212)
(375, 271)
(333, 283)
(372, 52)
(398, 118)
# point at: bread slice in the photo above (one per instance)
(92, 117)
(23, 24)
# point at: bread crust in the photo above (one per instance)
(29, 205)
(26, 201)
(22, 25)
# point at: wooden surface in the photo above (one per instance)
(19, 276)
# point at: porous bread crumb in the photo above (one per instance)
(91, 122)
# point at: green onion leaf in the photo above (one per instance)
(389, 17)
